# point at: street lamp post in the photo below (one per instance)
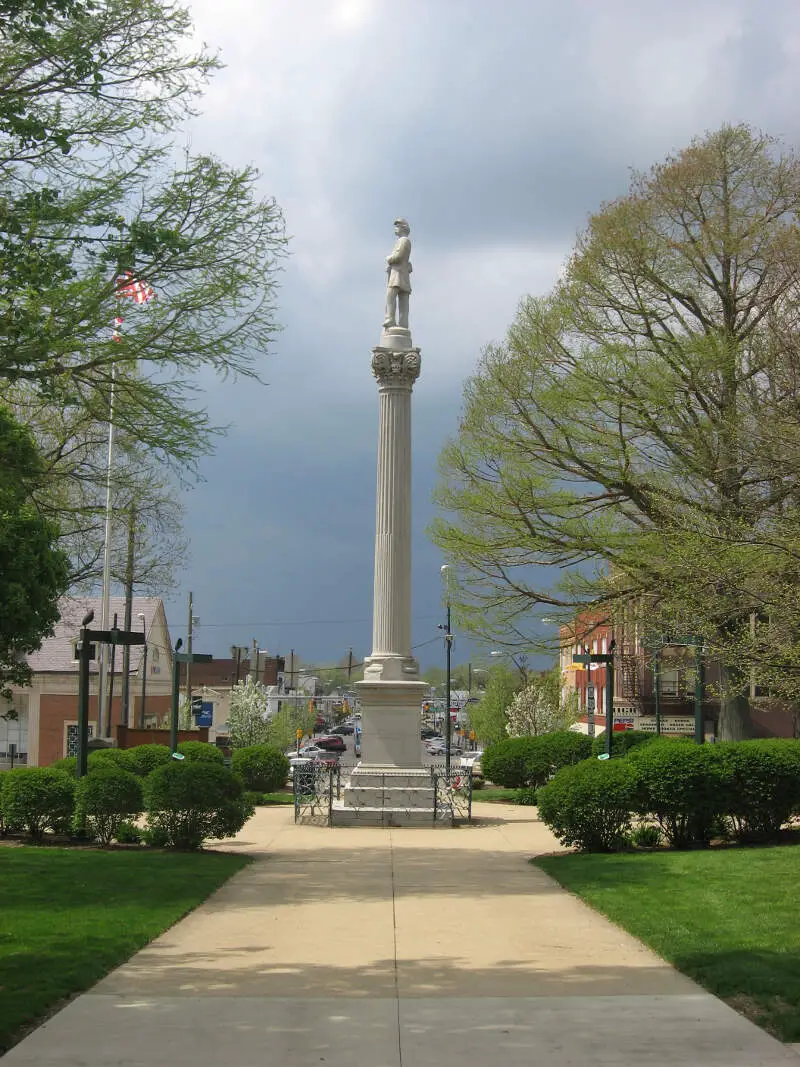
(448, 644)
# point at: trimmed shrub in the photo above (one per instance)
(188, 802)
(526, 797)
(522, 762)
(253, 798)
(515, 763)
(760, 782)
(262, 768)
(68, 764)
(622, 741)
(646, 836)
(109, 757)
(127, 833)
(681, 787)
(589, 805)
(201, 752)
(106, 798)
(565, 747)
(38, 799)
(145, 758)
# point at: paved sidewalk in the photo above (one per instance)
(396, 948)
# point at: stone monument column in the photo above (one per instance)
(391, 693)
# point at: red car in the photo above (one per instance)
(332, 743)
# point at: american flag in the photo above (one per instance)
(137, 289)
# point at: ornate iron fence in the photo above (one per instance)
(314, 786)
(452, 793)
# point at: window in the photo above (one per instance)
(670, 682)
(594, 646)
(71, 743)
(14, 730)
(605, 645)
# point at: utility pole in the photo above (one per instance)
(254, 658)
(189, 654)
(126, 652)
(291, 669)
(349, 664)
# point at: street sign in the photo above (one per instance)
(206, 715)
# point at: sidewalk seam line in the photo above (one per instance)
(394, 937)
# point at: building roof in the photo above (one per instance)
(57, 653)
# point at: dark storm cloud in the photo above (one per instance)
(497, 129)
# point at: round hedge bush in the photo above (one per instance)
(68, 764)
(760, 781)
(38, 799)
(681, 787)
(106, 798)
(522, 762)
(109, 757)
(262, 768)
(145, 758)
(589, 804)
(201, 752)
(188, 802)
(622, 741)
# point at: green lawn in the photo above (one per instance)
(277, 798)
(68, 916)
(728, 918)
(494, 795)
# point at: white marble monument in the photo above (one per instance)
(390, 786)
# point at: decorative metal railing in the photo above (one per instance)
(314, 786)
(452, 794)
(317, 785)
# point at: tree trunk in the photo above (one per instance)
(734, 723)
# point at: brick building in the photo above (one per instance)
(40, 722)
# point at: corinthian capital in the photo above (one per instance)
(396, 368)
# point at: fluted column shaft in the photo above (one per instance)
(391, 627)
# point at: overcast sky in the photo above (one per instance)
(496, 129)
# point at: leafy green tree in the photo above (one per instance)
(489, 717)
(634, 444)
(91, 187)
(33, 571)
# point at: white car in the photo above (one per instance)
(473, 760)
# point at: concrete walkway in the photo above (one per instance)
(396, 948)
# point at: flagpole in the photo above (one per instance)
(140, 292)
(104, 713)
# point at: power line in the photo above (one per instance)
(295, 622)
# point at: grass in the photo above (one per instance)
(727, 918)
(69, 916)
(277, 798)
(495, 795)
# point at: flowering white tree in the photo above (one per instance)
(248, 721)
(538, 709)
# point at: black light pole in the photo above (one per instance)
(85, 656)
(448, 644)
(178, 658)
(610, 697)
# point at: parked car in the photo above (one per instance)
(473, 760)
(344, 730)
(436, 745)
(332, 743)
(428, 732)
